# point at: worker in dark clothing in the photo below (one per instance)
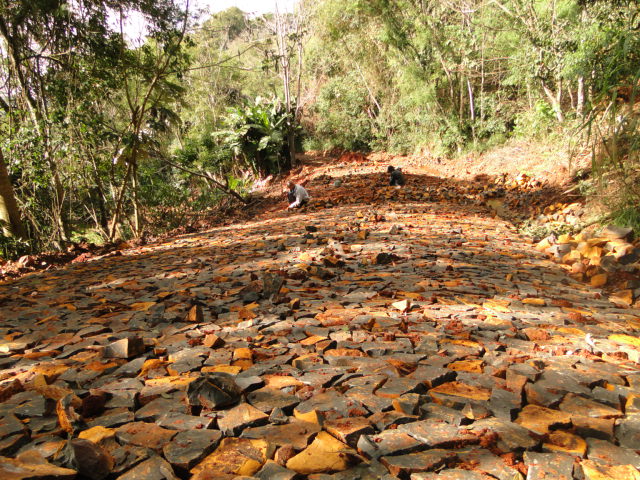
(396, 176)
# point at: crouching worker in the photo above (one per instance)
(297, 196)
(396, 176)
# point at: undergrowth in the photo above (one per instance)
(532, 228)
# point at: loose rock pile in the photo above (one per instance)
(390, 339)
(608, 260)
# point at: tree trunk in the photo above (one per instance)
(472, 110)
(115, 220)
(10, 218)
(572, 99)
(580, 102)
(58, 209)
(100, 197)
(461, 100)
(452, 94)
(555, 102)
(37, 113)
(137, 221)
(286, 83)
(482, 83)
(291, 140)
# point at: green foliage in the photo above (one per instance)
(538, 231)
(90, 121)
(614, 133)
(255, 135)
(460, 75)
(12, 248)
(340, 116)
(536, 122)
(627, 216)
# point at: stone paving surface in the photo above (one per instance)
(404, 335)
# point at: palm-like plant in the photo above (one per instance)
(256, 136)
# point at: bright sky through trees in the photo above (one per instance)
(249, 6)
(135, 25)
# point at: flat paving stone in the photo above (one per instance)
(234, 456)
(31, 465)
(389, 442)
(187, 448)
(451, 474)
(540, 419)
(417, 462)
(596, 471)
(434, 433)
(542, 466)
(238, 418)
(325, 454)
(155, 468)
(349, 430)
(146, 435)
(272, 471)
(606, 453)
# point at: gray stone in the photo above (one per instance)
(432, 376)
(155, 468)
(544, 466)
(32, 404)
(249, 383)
(417, 462)
(146, 435)
(486, 462)
(125, 348)
(213, 391)
(389, 442)
(511, 436)
(267, 399)
(158, 408)
(180, 421)
(349, 430)
(10, 425)
(543, 394)
(272, 471)
(449, 415)
(396, 387)
(130, 369)
(331, 404)
(189, 447)
(559, 251)
(383, 420)
(47, 447)
(127, 456)
(241, 417)
(30, 465)
(614, 232)
(112, 418)
(435, 433)
(628, 431)
(271, 284)
(505, 404)
(11, 444)
(90, 460)
(606, 453)
(450, 474)
(278, 417)
(296, 433)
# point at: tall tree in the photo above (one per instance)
(57, 55)
(10, 217)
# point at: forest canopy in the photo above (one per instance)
(105, 139)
